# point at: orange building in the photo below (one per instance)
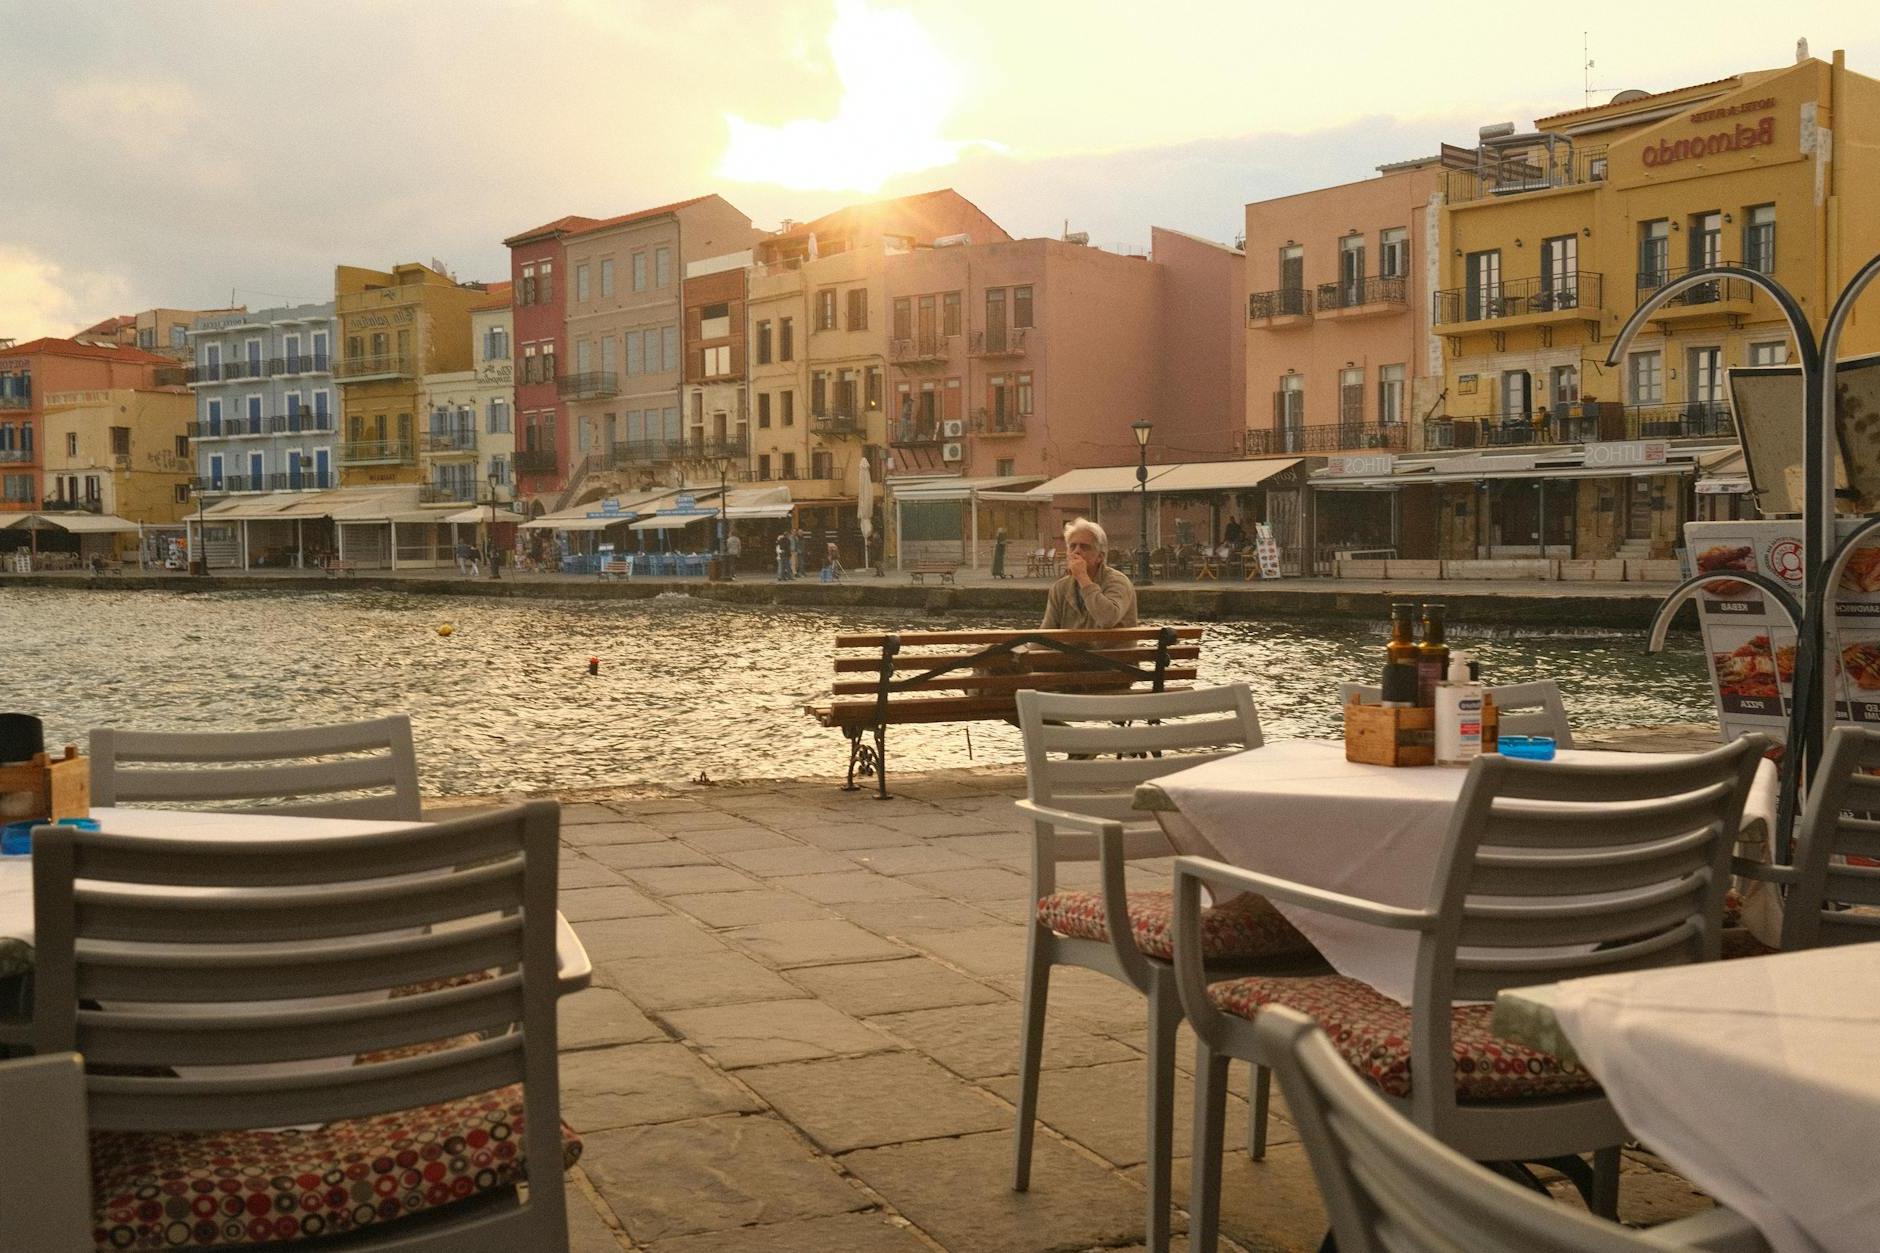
(32, 371)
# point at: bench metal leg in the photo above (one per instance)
(867, 759)
(881, 764)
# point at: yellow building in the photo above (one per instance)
(395, 328)
(1556, 236)
(122, 451)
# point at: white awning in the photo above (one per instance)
(77, 523)
(481, 513)
(578, 524)
(669, 521)
(961, 489)
(1100, 480)
(1221, 476)
(758, 511)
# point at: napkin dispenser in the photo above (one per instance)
(1378, 735)
(48, 787)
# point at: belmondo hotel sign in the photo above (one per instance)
(1752, 134)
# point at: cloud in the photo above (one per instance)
(39, 297)
(146, 119)
(898, 92)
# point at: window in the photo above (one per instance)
(763, 411)
(1482, 295)
(607, 276)
(636, 354)
(499, 421)
(1005, 467)
(1703, 381)
(950, 313)
(1774, 353)
(714, 322)
(583, 356)
(1759, 238)
(499, 469)
(528, 364)
(496, 344)
(607, 354)
(1393, 252)
(903, 327)
(818, 392)
(1560, 273)
(1292, 268)
(1351, 397)
(71, 443)
(581, 281)
(182, 447)
(182, 493)
(583, 434)
(548, 282)
(1289, 408)
(1351, 270)
(668, 347)
(319, 350)
(763, 466)
(179, 336)
(763, 342)
(548, 363)
(821, 465)
(662, 266)
(718, 361)
(1021, 306)
(639, 271)
(1706, 239)
(1654, 252)
(526, 294)
(995, 313)
(1645, 377)
(787, 408)
(826, 309)
(786, 339)
(789, 465)
(1563, 385)
(873, 386)
(858, 308)
(1390, 395)
(146, 337)
(121, 441)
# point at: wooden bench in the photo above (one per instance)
(339, 566)
(919, 570)
(975, 676)
(616, 567)
(107, 565)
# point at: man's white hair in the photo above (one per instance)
(1085, 524)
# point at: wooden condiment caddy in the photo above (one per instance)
(1378, 736)
(61, 785)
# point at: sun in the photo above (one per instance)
(898, 92)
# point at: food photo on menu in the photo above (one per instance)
(1746, 666)
(1862, 571)
(1728, 554)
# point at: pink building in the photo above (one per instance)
(32, 371)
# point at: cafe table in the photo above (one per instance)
(1758, 1080)
(1297, 810)
(16, 873)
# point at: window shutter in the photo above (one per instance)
(950, 403)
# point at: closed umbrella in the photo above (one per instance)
(865, 506)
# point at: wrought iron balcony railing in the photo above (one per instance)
(17, 456)
(838, 422)
(535, 461)
(306, 363)
(447, 493)
(920, 350)
(917, 432)
(58, 504)
(645, 452)
(1583, 424)
(1577, 291)
(1710, 292)
(1338, 437)
(997, 422)
(360, 452)
(1006, 343)
(387, 365)
(462, 439)
(1287, 302)
(15, 402)
(590, 385)
(1382, 291)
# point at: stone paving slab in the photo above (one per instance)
(616, 832)
(995, 951)
(613, 901)
(764, 1033)
(681, 880)
(643, 1083)
(727, 978)
(980, 1041)
(736, 840)
(715, 1174)
(664, 852)
(986, 883)
(862, 1102)
(1103, 1108)
(602, 1016)
(886, 987)
(913, 859)
(743, 909)
(852, 885)
(791, 860)
(840, 837)
(847, 1233)
(815, 942)
(623, 939)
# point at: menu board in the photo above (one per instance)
(1749, 642)
(1266, 550)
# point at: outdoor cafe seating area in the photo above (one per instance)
(255, 984)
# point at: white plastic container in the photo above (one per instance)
(1458, 715)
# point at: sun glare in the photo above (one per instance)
(897, 94)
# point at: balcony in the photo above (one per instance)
(994, 424)
(225, 372)
(378, 298)
(1279, 310)
(377, 452)
(700, 449)
(385, 366)
(303, 364)
(838, 422)
(16, 456)
(448, 493)
(592, 385)
(458, 440)
(1364, 297)
(1006, 343)
(913, 431)
(920, 350)
(535, 461)
(1520, 172)
(640, 452)
(15, 402)
(1581, 424)
(1721, 299)
(302, 423)
(58, 504)
(1541, 301)
(1341, 437)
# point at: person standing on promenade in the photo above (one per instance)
(1094, 595)
(1234, 534)
(796, 552)
(783, 557)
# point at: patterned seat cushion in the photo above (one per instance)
(1372, 1032)
(1247, 926)
(1732, 908)
(160, 1190)
(1738, 942)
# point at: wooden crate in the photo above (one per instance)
(1378, 736)
(61, 785)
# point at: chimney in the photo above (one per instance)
(1801, 50)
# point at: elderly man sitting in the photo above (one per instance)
(1094, 595)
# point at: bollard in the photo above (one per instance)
(594, 665)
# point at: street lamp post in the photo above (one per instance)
(489, 547)
(724, 518)
(1141, 428)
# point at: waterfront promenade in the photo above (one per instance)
(803, 1033)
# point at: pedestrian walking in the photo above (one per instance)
(783, 558)
(796, 551)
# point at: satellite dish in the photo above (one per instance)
(1629, 95)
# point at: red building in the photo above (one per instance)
(544, 447)
(32, 371)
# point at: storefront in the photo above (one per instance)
(1190, 504)
(959, 519)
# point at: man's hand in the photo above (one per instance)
(1078, 567)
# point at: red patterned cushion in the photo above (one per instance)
(1732, 908)
(1738, 942)
(1248, 926)
(159, 1190)
(1372, 1032)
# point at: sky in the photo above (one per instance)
(191, 152)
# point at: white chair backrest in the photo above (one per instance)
(1841, 821)
(1532, 708)
(1391, 1187)
(45, 1157)
(206, 954)
(353, 770)
(1086, 754)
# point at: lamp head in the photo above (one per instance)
(1141, 428)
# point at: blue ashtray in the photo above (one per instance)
(16, 838)
(1531, 747)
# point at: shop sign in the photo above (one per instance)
(1640, 452)
(1380, 463)
(1743, 135)
(610, 508)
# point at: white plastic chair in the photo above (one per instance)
(45, 1165)
(352, 770)
(1390, 1187)
(428, 952)
(1832, 900)
(1553, 870)
(1084, 756)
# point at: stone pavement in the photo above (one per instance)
(803, 1033)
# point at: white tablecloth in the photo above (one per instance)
(1758, 1080)
(1296, 809)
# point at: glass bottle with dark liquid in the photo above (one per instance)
(1432, 656)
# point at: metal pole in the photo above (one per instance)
(1143, 578)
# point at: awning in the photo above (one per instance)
(1099, 481)
(669, 521)
(480, 513)
(77, 523)
(578, 524)
(579, 518)
(758, 511)
(1221, 476)
(961, 489)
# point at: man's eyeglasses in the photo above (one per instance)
(1086, 547)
